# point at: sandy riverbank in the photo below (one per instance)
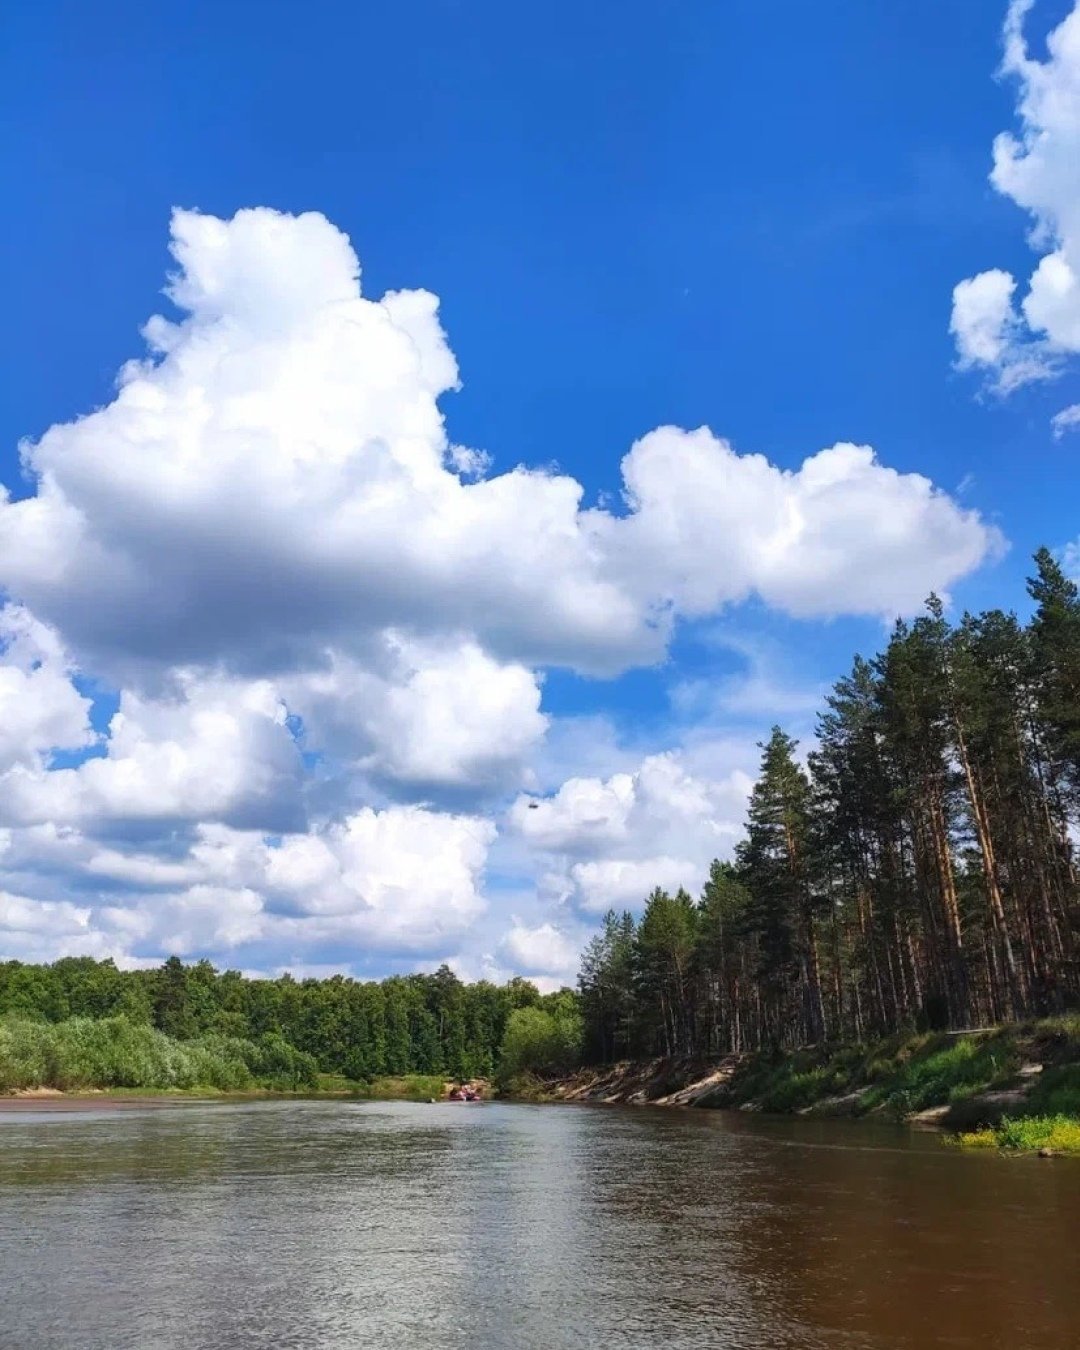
(46, 1099)
(408, 1088)
(958, 1080)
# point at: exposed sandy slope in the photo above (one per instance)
(657, 1082)
(955, 1080)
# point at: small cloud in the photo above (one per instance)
(759, 691)
(1068, 419)
(543, 950)
(468, 463)
(1019, 341)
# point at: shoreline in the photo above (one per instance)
(1015, 1087)
(416, 1088)
(113, 1099)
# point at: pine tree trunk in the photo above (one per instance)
(1013, 995)
(957, 978)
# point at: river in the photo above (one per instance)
(339, 1224)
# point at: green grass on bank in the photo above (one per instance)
(1027, 1134)
(408, 1087)
(896, 1077)
(902, 1075)
(115, 1053)
(412, 1087)
(1057, 1091)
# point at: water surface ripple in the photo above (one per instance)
(337, 1224)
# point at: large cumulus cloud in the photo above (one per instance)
(606, 843)
(276, 478)
(324, 628)
(403, 880)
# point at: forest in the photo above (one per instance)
(360, 1030)
(916, 873)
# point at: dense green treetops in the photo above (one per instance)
(916, 871)
(114, 1052)
(414, 1024)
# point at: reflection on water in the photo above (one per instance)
(331, 1224)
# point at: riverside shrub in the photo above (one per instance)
(540, 1042)
(114, 1052)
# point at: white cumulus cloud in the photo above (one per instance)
(40, 708)
(1036, 168)
(441, 715)
(606, 843)
(625, 883)
(542, 950)
(403, 879)
(276, 479)
(316, 615)
(213, 750)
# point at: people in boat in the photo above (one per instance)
(464, 1093)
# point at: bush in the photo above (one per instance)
(1057, 1134)
(278, 1064)
(1057, 1092)
(411, 1087)
(540, 1042)
(115, 1053)
(796, 1091)
(940, 1071)
(24, 1054)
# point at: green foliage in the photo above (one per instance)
(1055, 634)
(899, 1075)
(918, 874)
(607, 987)
(1059, 1037)
(1056, 1092)
(794, 1091)
(540, 1041)
(276, 1064)
(785, 1082)
(1029, 1134)
(174, 1006)
(114, 1052)
(774, 866)
(936, 1072)
(896, 1076)
(664, 958)
(361, 1031)
(415, 1087)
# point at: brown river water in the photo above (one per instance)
(339, 1224)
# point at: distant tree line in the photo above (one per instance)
(411, 1024)
(921, 873)
(114, 1052)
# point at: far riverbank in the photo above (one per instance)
(330, 1087)
(978, 1084)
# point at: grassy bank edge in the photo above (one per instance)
(408, 1087)
(1014, 1087)
(1045, 1135)
(27, 1099)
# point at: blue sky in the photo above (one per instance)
(745, 217)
